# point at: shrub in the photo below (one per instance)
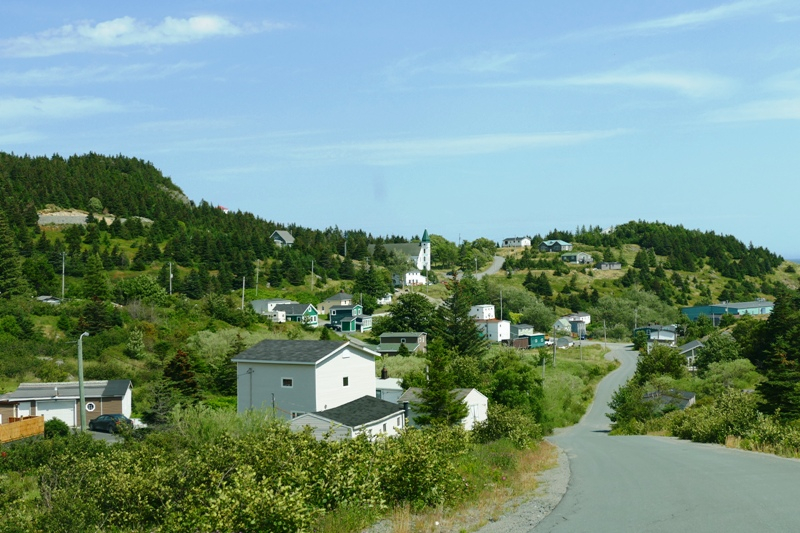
(55, 428)
(505, 422)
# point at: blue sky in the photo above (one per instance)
(470, 119)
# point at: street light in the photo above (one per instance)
(80, 380)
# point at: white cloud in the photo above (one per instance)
(687, 20)
(689, 84)
(762, 110)
(54, 107)
(122, 32)
(476, 64)
(402, 151)
(97, 74)
(693, 85)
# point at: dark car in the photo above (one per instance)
(110, 423)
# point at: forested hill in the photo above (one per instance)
(127, 186)
(684, 249)
(194, 236)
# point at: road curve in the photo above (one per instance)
(654, 484)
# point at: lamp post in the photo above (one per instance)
(80, 380)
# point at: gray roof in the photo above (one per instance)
(345, 307)
(273, 351)
(293, 309)
(260, 306)
(691, 345)
(284, 235)
(339, 296)
(362, 411)
(403, 249)
(402, 334)
(113, 388)
(412, 395)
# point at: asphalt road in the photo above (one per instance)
(654, 484)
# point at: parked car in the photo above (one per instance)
(110, 423)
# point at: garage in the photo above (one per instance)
(61, 409)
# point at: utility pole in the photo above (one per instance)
(80, 380)
(312, 276)
(243, 293)
(63, 262)
(258, 263)
(605, 338)
(170, 278)
(555, 345)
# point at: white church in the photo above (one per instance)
(419, 254)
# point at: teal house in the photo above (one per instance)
(343, 317)
(715, 311)
(536, 340)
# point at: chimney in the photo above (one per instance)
(384, 373)
(406, 410)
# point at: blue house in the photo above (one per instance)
(715, 311)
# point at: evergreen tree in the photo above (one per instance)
(438, 402)
(95, 279)
(180, 376)
(455, 327)
(780, 355)
(12, 282)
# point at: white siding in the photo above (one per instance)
(478, 406)
(60, 409)
(359, 368)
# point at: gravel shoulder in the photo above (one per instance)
(525, 512)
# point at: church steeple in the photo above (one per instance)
(425, 237)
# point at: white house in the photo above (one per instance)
(303, 376)
(477, 405)
(516, 242)
(62, 400)
(495, 330)
(482, 312)
(369, 415)
(412, 277)
(386, 299)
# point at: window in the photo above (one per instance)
(295, 414)
(287, 383)
(384, 428)
(399, 423)
(345, 381)
(379, 394)
(90, 406)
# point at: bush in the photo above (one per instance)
(55, 428)
(734, 413)
(507, 423)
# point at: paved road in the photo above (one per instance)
(654, 484)
(494, 268)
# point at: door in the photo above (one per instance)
(61, 409)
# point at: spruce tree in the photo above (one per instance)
(455, 327)
(12, 283)
(438, 402)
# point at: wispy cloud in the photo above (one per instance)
(694, 85)
(475, 64)
(54, 107)
(758, 111)
(22, 137)
(398, 151)
(125, 32)
(62, 76)
(681, 21)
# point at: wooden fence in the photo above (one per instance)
(21, 428)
